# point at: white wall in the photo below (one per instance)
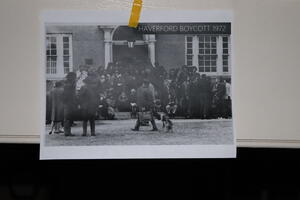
(266, 68)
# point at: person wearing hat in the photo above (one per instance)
(89, 102)
(145, 103)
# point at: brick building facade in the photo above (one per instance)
(68, 47)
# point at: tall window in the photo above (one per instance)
(225, 53)
(58, 55)
(189, 50)
(210, 53)
(51, 52)
(66, 47)
(207, 59)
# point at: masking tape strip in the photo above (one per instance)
(135, 13)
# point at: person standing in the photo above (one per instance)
(204, 89)
(123, 103)
(219, 91)
(228, 113)
(57, 108)
(69, 100)
(49, 88)
(145, 103)
(89, 102)
(193, 96)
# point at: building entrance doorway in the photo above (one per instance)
(125, 54)
(129, 46)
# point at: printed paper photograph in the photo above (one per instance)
(161, 90)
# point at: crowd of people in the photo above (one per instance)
(90, 93)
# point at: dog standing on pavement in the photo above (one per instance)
(167, 123)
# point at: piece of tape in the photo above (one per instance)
(135, 13)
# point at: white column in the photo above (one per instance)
(107, 45)
(107, 53)
(60, 53)
(151, 48)
(195, 51)
(111, 52)
(108, 33)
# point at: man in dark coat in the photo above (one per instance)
(145, 103)
(89, 102)
(219, 91)
(193, 95)
(203, 90)
(49, 88)
(69, 100)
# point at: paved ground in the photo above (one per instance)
(118, 132)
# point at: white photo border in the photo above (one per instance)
(130, 151)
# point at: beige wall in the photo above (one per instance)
(266, 65)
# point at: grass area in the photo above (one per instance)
(118, 132)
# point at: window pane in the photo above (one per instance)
(53, 52)
(207, 57)
(201, 63)
(207, 63)
(225, 39)
(189, 39)
(225, 62)
(201, 69)
(207, 38)
(214, 51)
(213, 39)
(189, 57)
(201, 51)
(225, 69)
(225, 51)
(207, 69)
(66, 39)
(214, 69)
(207, 45)
(53, 46)
(213, 57)
(189, 62)
(213, 63)
(66, 58)
(189, 45)
(201, 38)
(201, 45)
(207, 51)
(225, 57)
(214, 45)
(48, 52)
(225, 45)
(201, 57)
(66, 52)
(189, 51)
(53, 58)
(66, 64)
(66, 45)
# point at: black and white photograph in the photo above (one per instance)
(163, 89)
